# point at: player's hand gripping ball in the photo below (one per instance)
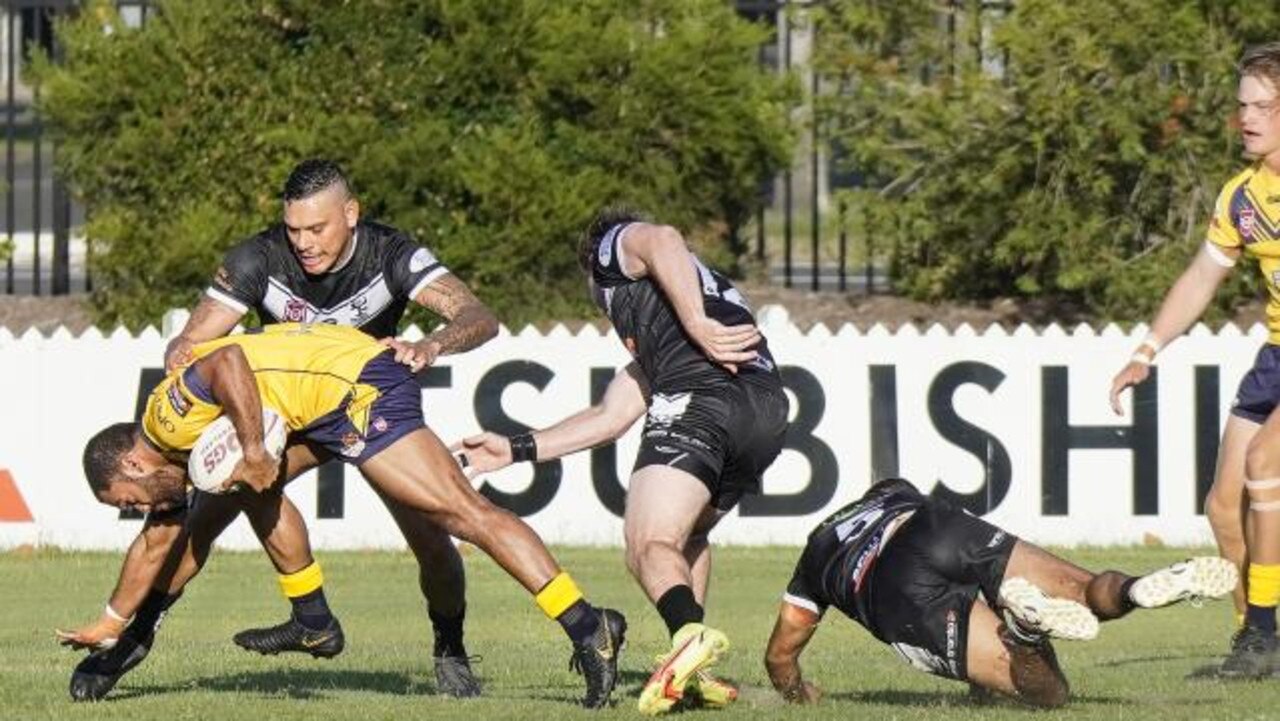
(217, 452)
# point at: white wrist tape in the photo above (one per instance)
(1142, 358)
(111, 612)
(1152, 342)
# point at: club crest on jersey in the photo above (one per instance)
(1247, 219)
(295, 310)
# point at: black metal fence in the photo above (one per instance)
(46, 252)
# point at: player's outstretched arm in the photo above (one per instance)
(230, 380)
(659, 252)
(1184, 303)
(142, 565)
(468, 324)
(623, 402)
(791, 633)
(210, 319)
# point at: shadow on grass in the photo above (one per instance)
(958, 698)
(1116, 663)
(291, 683)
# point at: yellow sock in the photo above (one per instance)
(300, 583)
(558, 595)
(1264, 585)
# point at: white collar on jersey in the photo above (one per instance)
(351, 253)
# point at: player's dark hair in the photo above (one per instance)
(605, 219)
(1262, 61)
(312, 176)
(102, 454)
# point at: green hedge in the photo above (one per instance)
(1085, 172)
(491, 130)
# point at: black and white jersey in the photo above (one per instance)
(647, 324)
(386, 269)
(836, 566)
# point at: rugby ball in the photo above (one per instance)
(217, 450)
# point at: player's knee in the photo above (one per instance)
(1261, 461)
(642, 550)
(1224, 513)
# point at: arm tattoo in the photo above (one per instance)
(469, 321)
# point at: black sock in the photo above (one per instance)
(1262, 617)
(448, 634)
(580, 621)
(1126, 601)
(312, 610)
(678, 607)
(150, 613)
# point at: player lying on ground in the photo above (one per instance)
(340, 389)
(717, 417)
(959, 597)
(322, 263)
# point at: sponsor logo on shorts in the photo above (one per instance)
(295, 310)
(666, 408)
(352, 444)
(997, 539)
(380, 424)
(179, 402)
(421, 260)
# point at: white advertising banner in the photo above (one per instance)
(1016, 427)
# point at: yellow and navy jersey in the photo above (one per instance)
(1247, 217)
(303, 372)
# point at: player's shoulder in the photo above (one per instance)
(376, 232)
(1240, 179)
(259, 247)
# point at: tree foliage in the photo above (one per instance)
(490, 130)
(1066, 149)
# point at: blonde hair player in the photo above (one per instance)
(1246, 220)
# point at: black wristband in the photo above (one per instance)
(523, 448)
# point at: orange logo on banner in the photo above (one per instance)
(12, 507)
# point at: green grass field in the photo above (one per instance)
(1139, 667)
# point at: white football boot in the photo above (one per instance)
(1037, 613)
(1192, 579)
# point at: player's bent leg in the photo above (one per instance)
(442, 578)
(1255, 648)
(1226, 505)
(311, 627)
(664, 505)
(186, 545)
(1011, 663)
(417, 470)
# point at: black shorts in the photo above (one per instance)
(926, 580)
(725, 438)
(1259, 390)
